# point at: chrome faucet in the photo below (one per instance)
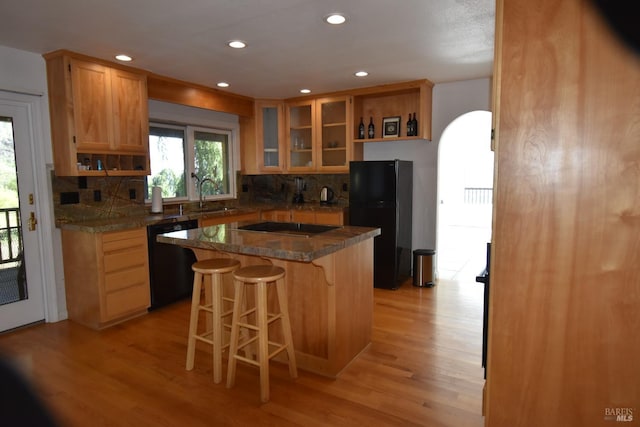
(202, 181)
(199, 183)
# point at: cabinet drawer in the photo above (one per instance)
(124, 260)
(125, 301)
(124, 239)
(126, 278)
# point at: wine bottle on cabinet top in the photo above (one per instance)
(414, 125)
(372, 129)
(409, 126)
(361, 129)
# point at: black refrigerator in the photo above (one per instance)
(381, 196)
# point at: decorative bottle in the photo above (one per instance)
(372, 129)
(414, 125)
(361, 129)
(409, 126)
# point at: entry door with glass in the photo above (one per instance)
(21, 291)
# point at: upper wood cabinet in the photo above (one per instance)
(319, 135)
(394, 100)
(98, 113)
(334, 145)
(301, 138)
(270, 136)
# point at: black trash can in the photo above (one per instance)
(423, 268)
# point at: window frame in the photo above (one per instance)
(197, 119)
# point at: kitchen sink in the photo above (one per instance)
(288, 228)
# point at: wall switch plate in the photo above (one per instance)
(69, 198)
(132, 193)
(97, 195)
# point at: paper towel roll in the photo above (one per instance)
(156, 200)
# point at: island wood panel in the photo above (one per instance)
(564, 304)
(330, 305)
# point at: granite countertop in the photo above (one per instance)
(228, 238)
(101, 225)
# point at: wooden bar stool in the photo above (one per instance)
(260, 276)
(213, 331)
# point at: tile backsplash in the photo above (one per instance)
(88, 198)
(281, 188)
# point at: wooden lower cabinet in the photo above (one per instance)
(305, 216)
(106, 276)
(215, 220)
(330, 218)
(278, 215)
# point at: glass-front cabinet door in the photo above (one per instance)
(301, 137)
(270, 138)
(334, 125)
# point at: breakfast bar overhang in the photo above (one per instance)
(329, 279)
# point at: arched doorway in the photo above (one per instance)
(465, 188)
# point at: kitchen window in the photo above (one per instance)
(182, 156)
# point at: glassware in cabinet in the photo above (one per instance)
(301, 137)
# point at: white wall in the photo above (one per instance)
(25, 72)
(450, 100)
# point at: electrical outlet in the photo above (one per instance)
(69, 198)
(82, 182)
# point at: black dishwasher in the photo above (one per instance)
(170, 273)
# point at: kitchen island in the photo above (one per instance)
(329, 278)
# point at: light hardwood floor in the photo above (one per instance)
(421, 369)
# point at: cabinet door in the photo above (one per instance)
(305, 217)
(225, 219)
(301, 138)
(277, 215)
(333, 142)
(92, 107)
(270, 140)
(330, 218)
(130, 111)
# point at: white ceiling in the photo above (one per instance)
(289, 45)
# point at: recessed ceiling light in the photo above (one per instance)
(305, 90)
(223, 84)
(361, 74)
(237, 44)
(124, 58)
(335, 19)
